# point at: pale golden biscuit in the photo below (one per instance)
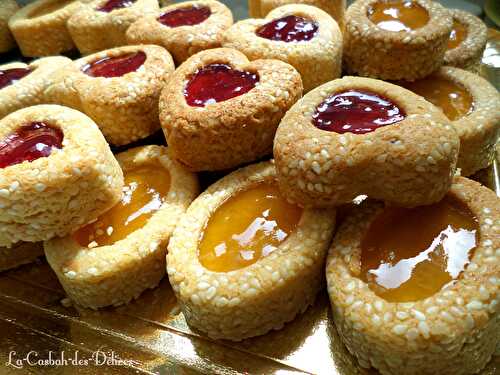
(411, 53)
(54, 195)
(223, 134)
(467, 42)
(453, 331)
(19, 254)
(409, 163)
(40, 27)
(113, 274)
(125, 106)
(94, 30)
(318, 58)
(28, 82)
(195, 33)
(7, 9)
(335, 8)
(262, 296)
(473, 106)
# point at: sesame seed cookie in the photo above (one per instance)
(19, 254)
(380, 46)
(219, 110)
(335, 8)
(118, 88)
(52, 190)
(183, 28)
(7, 9)
(23, 85)
(311, 41)
(473, 106)
(99, 26)
(329, 148)
(40, 27)
(467, 41)
(451, 330)
(121, 254)
(246, 295)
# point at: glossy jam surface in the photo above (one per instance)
(398, 15)
(29, 142)
(248, 226)
(111, 5)
(410, 254)
(10, 76)
(187, 16)
(118, 66)
(356, 112)
(143, 194)
(453, 99)
(457, 35)
(49, 8)
(288, 29)
(218, 82)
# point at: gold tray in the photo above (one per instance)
(39, 335)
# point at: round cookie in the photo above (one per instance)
(355, 136)
(57, 173)
(121, 254)
(184, 28)
(7, 10)
(303, 36)
(219, 110)
(40, 27)
(404, 39)
(234, 286)
(443, 317)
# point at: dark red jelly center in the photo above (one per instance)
(187, 16)
(10, 76)
(288, 29)
(356, 112)
(216, 83)
(115, 66)
(28, 143)
(111, 5)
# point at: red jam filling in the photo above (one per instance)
(357, 112)
(111, 5)
(118, 66)
(218, 82)
(187, 16)
(10, 76)
(28, 143)
(288, 29)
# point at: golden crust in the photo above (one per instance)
(183, 41)
(44, 34)
(19, 254)
(125, 108)
(7, 9)
(335, 8)
(94, 31)
(263, 296)
(452, 332)
(30, 90)
(115, 274)
(409, 163)
(468, 54)
(374, 52)
(318, 60)
(54, 195)
(232, 132)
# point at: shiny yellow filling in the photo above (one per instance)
(457, 35)
(247, 227)
(398, 15)
(143, 194)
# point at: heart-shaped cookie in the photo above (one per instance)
(355, 136)
(218, 110)
(303, 36)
